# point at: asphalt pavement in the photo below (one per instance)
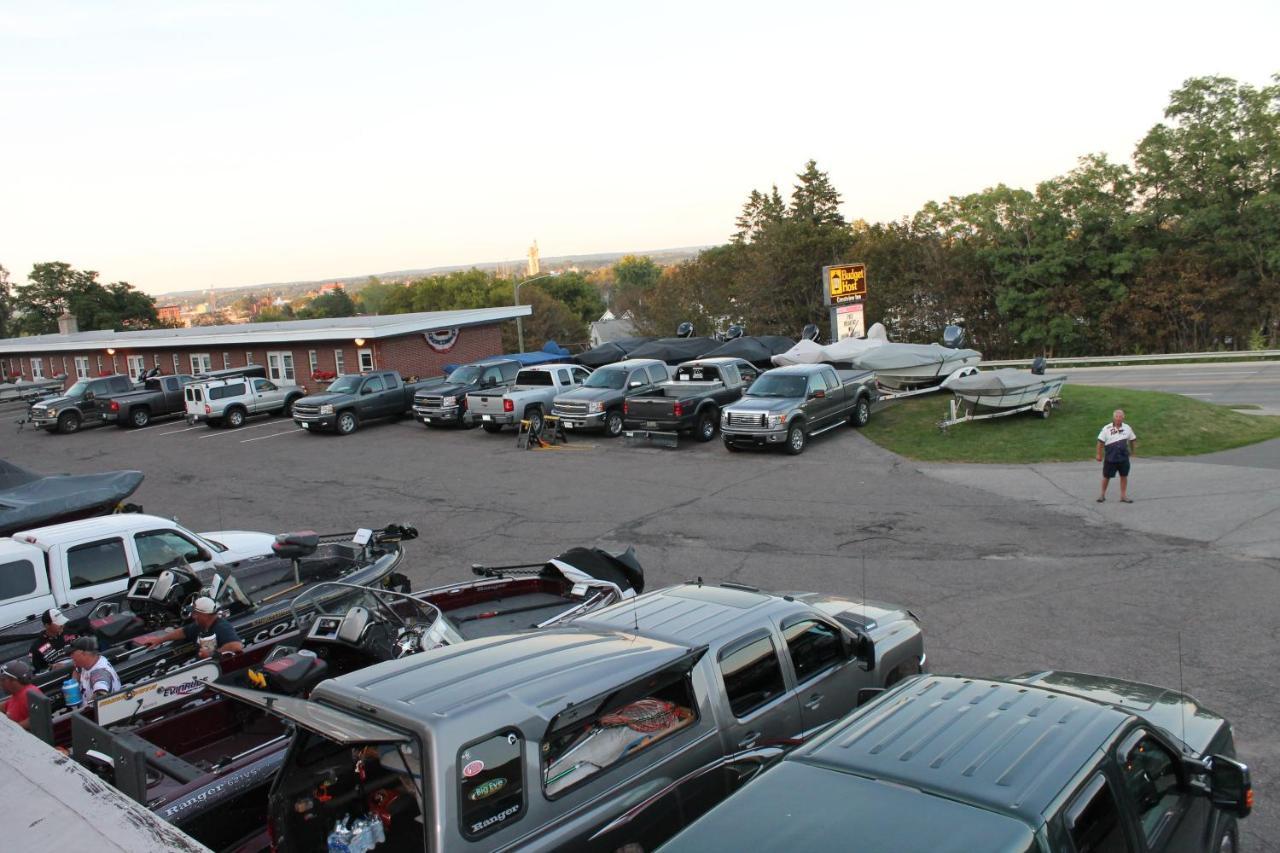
(1011, 570)
(1255, 383)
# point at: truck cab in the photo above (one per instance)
(789, 405)
(598, 404)
(355, 399)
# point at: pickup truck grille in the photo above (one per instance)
(434, 402)
(747, 419)
(570, 408)
(306, 410)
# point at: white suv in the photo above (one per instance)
(229, 400)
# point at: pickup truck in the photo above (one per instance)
(692, 400)
(1050, 762)
(83, 403)
(77, 565)
(542, 740)
(788, 405)
(160, 396)
(530, 398)
(232, 398)
(598, 404)
(351, 400)
(443, 402)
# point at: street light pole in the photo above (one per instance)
(519, 323)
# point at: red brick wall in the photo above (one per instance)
(411, 355)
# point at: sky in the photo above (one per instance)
(184, 145)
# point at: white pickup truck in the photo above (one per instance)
(75, 565)
(530, 398)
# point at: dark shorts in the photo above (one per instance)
(1110, 469)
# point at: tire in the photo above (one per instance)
(1044, 413)
(492, 429)
(139, 417)
(534, 417)
(347, 423)
(287, 411)
(613, 424)
(234, 417)
(796, 439)
(861, 413)
(69, 422)
(705, 427)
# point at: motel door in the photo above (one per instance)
(280, 368)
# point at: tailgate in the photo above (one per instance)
(650, 408)
(485, 404)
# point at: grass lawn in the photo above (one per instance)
(1166, 424)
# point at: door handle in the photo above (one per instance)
(749, 741)
(814, 701)
(84, 601)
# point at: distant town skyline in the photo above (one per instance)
(189, 146)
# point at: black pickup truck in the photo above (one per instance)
(80, 405)
(443, 402)
(354, 399)
(160, 396)
(691, 401)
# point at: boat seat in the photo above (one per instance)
(291, 546)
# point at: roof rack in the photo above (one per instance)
(256, 371)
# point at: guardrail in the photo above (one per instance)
(1122, 359)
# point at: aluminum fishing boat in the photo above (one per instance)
(1006, 389)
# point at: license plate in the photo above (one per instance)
(568, 424)
(650, 424)
(486, 417)
(305, 425)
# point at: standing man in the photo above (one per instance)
(95, 673)
(1115, 445)
(15, 678)
(52, 639)
(213, 632)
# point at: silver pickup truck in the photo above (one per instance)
(530, 398)
(788, 405)
(550, 740)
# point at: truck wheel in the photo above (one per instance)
(69, 422)
(287, 411)
(140, 417)
(234, 417)
(795, 439)
(705, 430)
(613, 424)
(492, 429)
(534, 417)
(861, 413)
(347, 423)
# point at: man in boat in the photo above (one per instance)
(15, 678)
(1115, 444)
(52, 638)
(95, 673)
(215, 634)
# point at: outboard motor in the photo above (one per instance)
(953, 337)
(810, 332)
(295, 546)
(684, 330)
(734, 332)
(1038, 365)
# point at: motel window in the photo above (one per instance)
(201, 362)
(366, 360)
(64, 365)
(82, 367)
(137, 366)
(226, 361)
(313, 361)
(37, 368)
(157, 358)
(339, 362)
(248, 357)
(177, 364)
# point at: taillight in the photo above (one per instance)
(677, 409)
(508, 406)
(208, 410)
(115, 405)
(626, 407)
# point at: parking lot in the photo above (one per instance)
(1003, 586)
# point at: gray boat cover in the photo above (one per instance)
(808, 352)
(889, 357)
(28, 499)
(1002, 381)
(757, 349)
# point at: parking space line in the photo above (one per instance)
(238, 430)
(273, 435)
(176, 431)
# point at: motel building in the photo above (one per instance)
(292, 351)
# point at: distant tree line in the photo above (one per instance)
(52, 288)
(1179, 251)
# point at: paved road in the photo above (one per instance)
(1255, 383)
(1005, 583)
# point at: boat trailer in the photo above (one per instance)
(884, 394)
(1042, 405)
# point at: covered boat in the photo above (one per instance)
(840, 352)
(28, 499)
(1006, 389)
(675, 350)
(611, 351)
(27, 390)
(905, 366)
(757, 349)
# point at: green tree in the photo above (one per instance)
(335, 303)
(375, 296)
(576, 292)
(814, 199)
(634, 279)
(55, 287)
(273, 314)
(6, 304)
(759, 211)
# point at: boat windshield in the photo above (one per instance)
(606, 378)
(469, 375)
(789, 385)
(336, 599)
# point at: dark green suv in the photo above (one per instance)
(1051, 762)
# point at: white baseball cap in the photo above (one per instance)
(53, 616)
(204, 604)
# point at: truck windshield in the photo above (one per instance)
(469, 375)
(79, 388)
(789, 385)
(345, 385)
(607, 378)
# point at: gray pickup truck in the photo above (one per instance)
(691, 401)
(788, 405)
(351, 400)
(545, 740)
(1051, 762)
(529, 399)
(82, 404)
(160, 396)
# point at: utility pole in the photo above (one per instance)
(519, 320)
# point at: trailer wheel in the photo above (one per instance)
(1044, 413)
(796, 439)
(706, 427)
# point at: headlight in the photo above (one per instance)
(775, 421)
(326, 410)
(449, 401)
(595, 407)
(50, 413)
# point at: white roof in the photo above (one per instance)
(106, 525)
(285, 331)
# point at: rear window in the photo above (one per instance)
(535, 377)
(697, 373)
(491, 783)
(120, 384)
(752, 675)
(17, 578)
(657, 374)
(221, 392)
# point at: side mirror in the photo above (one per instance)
(88, 395)
(203, 555)
(1230, 787)
(636, 383)
(860, 647)
(365, 390)
(817, 395)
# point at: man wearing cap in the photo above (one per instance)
(53, 638)
(15, 678)
(95, 673)
(205, 623)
